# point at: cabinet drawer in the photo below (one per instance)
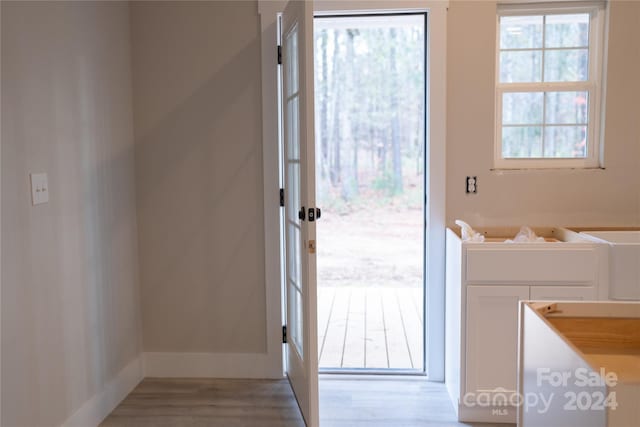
(563, 293)
(518, 264)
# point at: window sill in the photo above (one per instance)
(574, 169)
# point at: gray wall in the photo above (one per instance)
(70, 294)
(198, 131)
(544, 197)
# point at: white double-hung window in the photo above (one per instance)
(549, 85)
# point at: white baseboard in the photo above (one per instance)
(96, 409)
(210, 365)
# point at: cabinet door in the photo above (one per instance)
(563, 293)
(492, 337)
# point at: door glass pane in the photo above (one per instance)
(294, 60)
(295, 319)
(293, 259)
(293, 127)
(293, 189)
(297, 326)
(291, 50)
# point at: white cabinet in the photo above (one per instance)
(563, 293)
(485, 282)
(492, 336)
(598, 341)
(530, 263)
(624, 262)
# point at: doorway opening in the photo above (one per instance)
(370, 127)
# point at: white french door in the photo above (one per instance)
(299, 207)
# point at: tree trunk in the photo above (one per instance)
(336, 122)
(324, 96)
(350, 93)
(396, 156)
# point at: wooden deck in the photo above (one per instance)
(373, 328)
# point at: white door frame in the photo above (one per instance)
(436, 173)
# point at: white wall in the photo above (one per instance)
(70, 293)
(197, 109)
(545, 197)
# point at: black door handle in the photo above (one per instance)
(314, 214)
(301, 214)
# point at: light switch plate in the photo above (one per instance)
(39, 188)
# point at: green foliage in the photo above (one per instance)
(385, 183)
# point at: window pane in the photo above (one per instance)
(567, 30)
(520, 32)
(565, 141)
(521, 141)
(566, 65)
(522, 108)
(521, 66)
(566, 107)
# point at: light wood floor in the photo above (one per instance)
(344, 402)
(386, 401)
(207, 402)
(375, 328)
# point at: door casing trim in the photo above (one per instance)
(435, 180)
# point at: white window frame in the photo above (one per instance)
(594, 86)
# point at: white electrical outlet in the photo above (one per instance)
(39, 188)
(472, 182)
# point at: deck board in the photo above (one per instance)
(331, 356)
(374, 328)
(412, 323)
(353, 355)
(375, 338)
(325, 304)
(396, 339)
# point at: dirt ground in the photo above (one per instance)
(377, 246)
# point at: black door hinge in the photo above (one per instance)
(279, 55)
(282, 197)
(284, 334)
